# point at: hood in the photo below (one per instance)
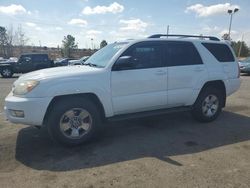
(59, 72)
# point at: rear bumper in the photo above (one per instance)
(34, 109)
(232, 85)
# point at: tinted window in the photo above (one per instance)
(181, 53)
(145, 55)
(40, 58)
(25, 58)
(220, 51)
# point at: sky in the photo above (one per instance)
(46, 22)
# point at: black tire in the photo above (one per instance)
(197, 110)
(6, 72)
(58, 112)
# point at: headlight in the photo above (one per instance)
(24, 87)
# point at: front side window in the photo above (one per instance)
(25, 59)
(145, 55)
(181, 53)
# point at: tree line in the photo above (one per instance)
(69, 44)
(10, 38)
(18, 38)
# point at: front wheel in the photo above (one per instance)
(6, 72)
(73, 121)
(208, 106)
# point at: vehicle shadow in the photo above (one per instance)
(162, 137)
(10, 78)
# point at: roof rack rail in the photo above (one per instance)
(185, 36)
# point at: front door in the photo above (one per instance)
(24, 64)
(143, 86)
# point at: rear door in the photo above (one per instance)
(40, 61)
(185, 68)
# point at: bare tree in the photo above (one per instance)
(20, 38)
(3, 41)
(10, 38)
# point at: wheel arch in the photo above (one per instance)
(91, 96)
(6, 66)
(218, 84)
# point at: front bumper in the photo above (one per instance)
(34, 109)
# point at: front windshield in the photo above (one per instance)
(104, 55)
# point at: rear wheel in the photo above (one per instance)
(208, 105)
(6, 72)
(73, 121)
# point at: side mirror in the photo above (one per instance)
(123, 63)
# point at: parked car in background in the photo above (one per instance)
(245, 66)
(26, 63)
(79, 61)
(63, 62)
(2, 59)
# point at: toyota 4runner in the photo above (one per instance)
(160, 74)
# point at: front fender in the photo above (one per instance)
(77, 85)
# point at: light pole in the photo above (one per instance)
(92, 44)
(231, 13)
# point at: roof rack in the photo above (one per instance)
(185, 36)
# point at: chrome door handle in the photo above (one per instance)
(198, 69)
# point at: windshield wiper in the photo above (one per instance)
(92, 65)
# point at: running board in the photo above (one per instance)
(148, 113)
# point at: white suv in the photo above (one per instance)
(127, 79)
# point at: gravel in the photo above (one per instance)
(165, 151)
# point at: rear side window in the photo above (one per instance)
(181, 53)
(220, 51)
